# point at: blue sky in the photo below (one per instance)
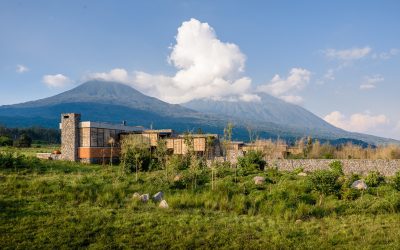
(338, 59)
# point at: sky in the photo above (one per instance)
(338, 59)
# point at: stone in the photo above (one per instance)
(298, 221)
(302, 174)
(136, 196)
(163, 204)
(258, 180)
(177, 177)
(145, 197)
(359, 184)
(158, 196)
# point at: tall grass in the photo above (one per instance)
(49, 204)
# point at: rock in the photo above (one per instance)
(136, 196)
(298, 221)
(177, 177)
(163, 204)
(145, 197)
(258, 180)
(302, 174)
(158, 196)
(359, 184)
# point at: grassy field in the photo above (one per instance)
(32, 151)
(49, 204)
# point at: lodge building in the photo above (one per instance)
(97, 142)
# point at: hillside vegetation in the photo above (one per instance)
(52, 204)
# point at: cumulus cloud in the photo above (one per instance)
(347, 54)
(358, 122)
(56, 81)
(21, 69)
(371, 81)
(285, 88)
(206, 68)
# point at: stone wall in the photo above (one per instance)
(70, 136)
(385, 167)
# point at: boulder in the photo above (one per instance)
(302, 174)
(163, 204)
(145, 197)
(258, 180)
(359, 184)
(158, 196)
(136, 196)
(177, 177)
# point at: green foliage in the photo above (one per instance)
(396, 181)
(24, 141)
(336, 167)
(6, 141)
(251, 162)
(374, 179)
(56, 204)
(325, 181)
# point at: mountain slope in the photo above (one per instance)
(268, 109)
(114, 102)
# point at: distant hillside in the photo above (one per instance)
(114, 102)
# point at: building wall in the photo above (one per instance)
(70, 136)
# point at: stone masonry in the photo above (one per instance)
(385, 167)
(70, 136)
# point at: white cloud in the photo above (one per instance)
(56, 81)
(329, 75)
(285, 87)
(250, 98)
(21, 69)
(358, 122)
(115, 75)
(371, 81)
(386, 55)
(207, 67)
(347, 54)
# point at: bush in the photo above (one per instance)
(251, 162)
(5, 141)
(374, 179)
(396, 181)
(24, 141)
(325, 181)
(337, 167)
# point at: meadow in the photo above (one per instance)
(55, 204)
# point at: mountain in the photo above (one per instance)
(268, 109)
(116, 102)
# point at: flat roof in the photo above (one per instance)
(89, 124)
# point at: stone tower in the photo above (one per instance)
(70, 136)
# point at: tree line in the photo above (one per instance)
(24, 137)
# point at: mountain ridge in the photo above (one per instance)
(114, 102)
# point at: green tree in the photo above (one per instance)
(325, 182)
(24, 141)
(6, 141)
(251, 161)
(135, 153)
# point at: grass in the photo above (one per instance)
(49, 204)
(32, 151)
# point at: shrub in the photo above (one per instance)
(251, 162)
(24, 141)
(337, 167)
(325, 181)
(5, 141)
(374, 179)
(396, 181)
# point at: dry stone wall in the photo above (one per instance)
(385, 167)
